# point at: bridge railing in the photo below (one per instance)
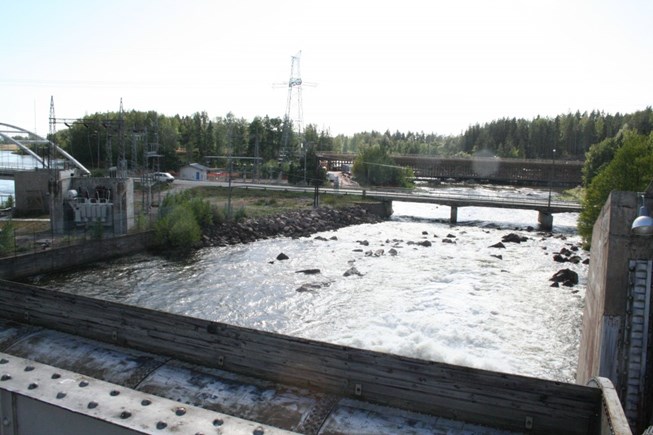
(392, 193)
(472, 197)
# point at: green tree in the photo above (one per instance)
(309, 168)
(598, 156)
(631, 169)
(374, 167)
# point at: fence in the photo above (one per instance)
(30, 236)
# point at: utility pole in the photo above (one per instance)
(256, 155)
(52, 131)
(230, 164)
(53, 184)
(122, 154)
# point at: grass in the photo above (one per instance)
(575, 194)
(31, 226)
(257, 202)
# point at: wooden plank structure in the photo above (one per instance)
(499, 400)
(560, 173)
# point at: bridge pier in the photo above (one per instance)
(453, 217)
(545, 220)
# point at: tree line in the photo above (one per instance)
(617, 149)
(570, 135)
(102, 140)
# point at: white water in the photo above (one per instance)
(448, 302)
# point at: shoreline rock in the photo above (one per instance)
(295, 224)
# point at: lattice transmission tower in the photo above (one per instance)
(294, 101)
(53, 119)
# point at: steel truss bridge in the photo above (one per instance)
(34, 151)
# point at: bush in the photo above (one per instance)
(178, 228)
(270, 169)
(7, 238)
(181, 219)
(202, 211)
(219, 215)
(141, 222)
(97, 230)
(240, 214)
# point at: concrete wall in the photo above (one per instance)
(68, 257)
(603, 348)
(607, 284)
(381, 208)
(32, 193)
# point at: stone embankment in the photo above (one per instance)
(299, 223)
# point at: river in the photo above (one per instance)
(458, 300)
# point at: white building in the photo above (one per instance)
(194, 171)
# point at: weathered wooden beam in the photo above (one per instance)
(476, 396)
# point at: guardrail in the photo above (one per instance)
(478, 200)
(556, 206)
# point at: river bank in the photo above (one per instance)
(293, 224)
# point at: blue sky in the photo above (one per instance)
(432, 66)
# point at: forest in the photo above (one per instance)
(124, 139)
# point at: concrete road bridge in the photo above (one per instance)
(559, 173)
(546, 208)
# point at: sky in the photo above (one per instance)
(422, 66)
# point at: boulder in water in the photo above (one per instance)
(513, 238)
(567, 277)
(352, 271)
(309, 271)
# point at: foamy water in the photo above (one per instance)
(453, 302)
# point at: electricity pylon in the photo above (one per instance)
(294, 96)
